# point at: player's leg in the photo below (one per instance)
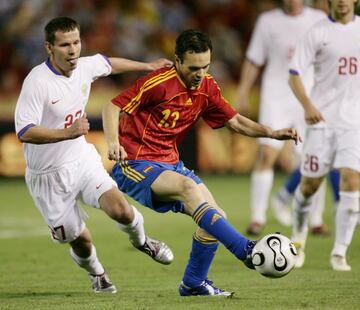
(317, 156)
(347, 214)
(83, 252)
(286, 192)
(301, 208)
(316, 221)
(334, 177)
(261, 184)
(55, 196)
(346, 217)
(131, 221)
(98, 189)
(170, 185)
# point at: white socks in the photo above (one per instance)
(261, 184)
(135, 229)
(91, 264)
(347, 215)
(301, 209)
(317, 206)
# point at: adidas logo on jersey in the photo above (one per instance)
(188, 102)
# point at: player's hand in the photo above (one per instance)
(79, 128)
(313, 115)
(160, 63)
(287, 134)
(116, 152)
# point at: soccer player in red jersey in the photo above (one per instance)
(156, 113)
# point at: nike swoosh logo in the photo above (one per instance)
(98, 186)
(54, 101)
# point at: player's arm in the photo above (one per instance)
(248, 75)
(110, 119)
(243, 125)
(42, 135)
(120, 65)
(312, 114)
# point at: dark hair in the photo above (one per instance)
(192, 40)
(64, 24)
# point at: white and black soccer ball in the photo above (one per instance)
(274, 255)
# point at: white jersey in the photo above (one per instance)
(51, 100)
(334, 50)
(273, 43)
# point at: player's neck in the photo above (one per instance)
(59, 70)
(342, 18)
(293, 11)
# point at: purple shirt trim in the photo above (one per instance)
(294, 72)
(51, 67)
(22, 131)
(334, 21)
(107, 59)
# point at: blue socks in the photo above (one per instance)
(201, 257)
(215, 224)
(335, 183)
(293, 181)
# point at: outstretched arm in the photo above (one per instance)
(120, 65)
(110, 118)
(247, 127)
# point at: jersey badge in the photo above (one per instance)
(188, 102)
(84, 89)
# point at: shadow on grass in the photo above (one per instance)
(12, 295)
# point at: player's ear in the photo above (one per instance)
(177, 60)
(48, 47)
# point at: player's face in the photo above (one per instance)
(194, 67)
(65, 51)
(342, 7)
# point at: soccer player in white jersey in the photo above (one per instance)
(332, 114)
(272, 44)
(62, 167)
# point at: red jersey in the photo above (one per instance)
(160, 110)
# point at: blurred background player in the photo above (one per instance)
(332, 114)
(62, 167)
(272, 44)
(156, 113)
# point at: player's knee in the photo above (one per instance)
(309, 186)
(121, 212)
(350, 181)
(188, 187)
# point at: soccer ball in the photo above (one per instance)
(274, 255)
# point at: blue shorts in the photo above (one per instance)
(134, 177)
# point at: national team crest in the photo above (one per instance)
(84, 89)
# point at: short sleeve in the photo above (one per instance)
(29, 107)
(218, 111)
(100, 66)
(305, 53)
(257, 50)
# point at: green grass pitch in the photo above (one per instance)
(37, 274)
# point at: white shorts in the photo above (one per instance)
(278, 116)
(57, 193)
(325, 148)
